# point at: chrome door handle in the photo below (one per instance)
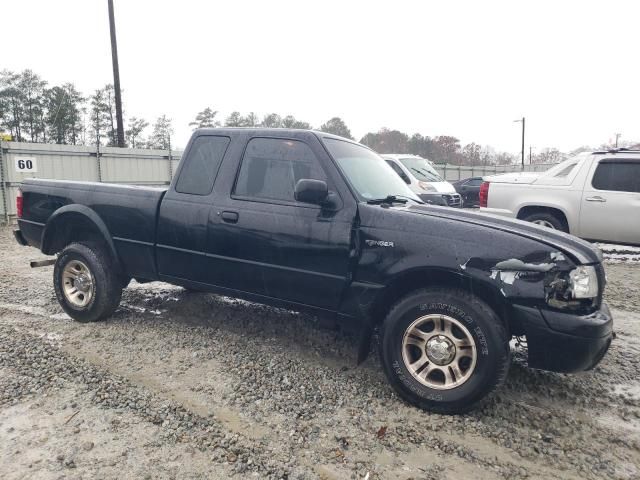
(597, 198)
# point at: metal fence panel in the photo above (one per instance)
(81, 163)
(61, 162)
(453, 173)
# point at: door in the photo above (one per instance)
(262, 241)
(184, 211)
(611, 201)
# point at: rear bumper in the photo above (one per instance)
(29, 232)
(444, 199)
(19, 238)
(562, 342)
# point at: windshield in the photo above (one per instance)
(366, 171)
(421, 169)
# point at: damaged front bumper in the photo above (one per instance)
(563, 342)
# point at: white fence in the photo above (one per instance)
(452, 173)
(69, 162)
(136, 166)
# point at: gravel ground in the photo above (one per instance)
(189, 385)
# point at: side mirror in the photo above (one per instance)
(311, 191)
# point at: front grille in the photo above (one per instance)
(453, 199)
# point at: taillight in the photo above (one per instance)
(484, 194)
(19, 204)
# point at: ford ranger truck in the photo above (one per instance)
(310, 221)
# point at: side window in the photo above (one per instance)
(620, 176)
(399, 171)
(566, 170)
(475, 182)
(271, 167)
(205, 156)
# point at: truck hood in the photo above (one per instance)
(581, 251)
(516, 177)
(442, 187)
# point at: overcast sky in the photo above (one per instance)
(466, 68)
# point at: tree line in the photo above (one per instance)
(208, 118)
(33, 111)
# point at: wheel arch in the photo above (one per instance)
(75, 223)
(416, 279)
(556, 211)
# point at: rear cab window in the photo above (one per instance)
(202, 164)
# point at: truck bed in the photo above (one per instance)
(129, 213)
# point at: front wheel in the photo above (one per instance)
(444, 350)
(87, 287)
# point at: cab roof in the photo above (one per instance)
(269, 131)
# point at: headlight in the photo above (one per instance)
(583, 282)
(426, 187)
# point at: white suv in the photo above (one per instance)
(419, 174)
(595, 196)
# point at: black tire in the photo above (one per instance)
(493, 354)
(107, 284)
(551, 220)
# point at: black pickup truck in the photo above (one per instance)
(310, 221)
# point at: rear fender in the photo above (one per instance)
(64, 215)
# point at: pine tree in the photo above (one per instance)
(134, 132)
(161, 135)
(336, 126)
(205, 119)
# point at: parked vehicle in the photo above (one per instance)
(469, 190)
(418, 173)
(595, 196)
(310, 221)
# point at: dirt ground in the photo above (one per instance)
(190, 385)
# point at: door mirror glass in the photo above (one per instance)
(311, 191)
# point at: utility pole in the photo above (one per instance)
(522, 150)
(116, 75)
(170, 159)
(530, 156)
(618, 135)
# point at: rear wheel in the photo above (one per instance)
(548, 220)
(86, 285)
(444, 350)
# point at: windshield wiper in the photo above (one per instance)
(428, 175)
(392, 199)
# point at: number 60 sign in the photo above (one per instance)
(26, 164)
